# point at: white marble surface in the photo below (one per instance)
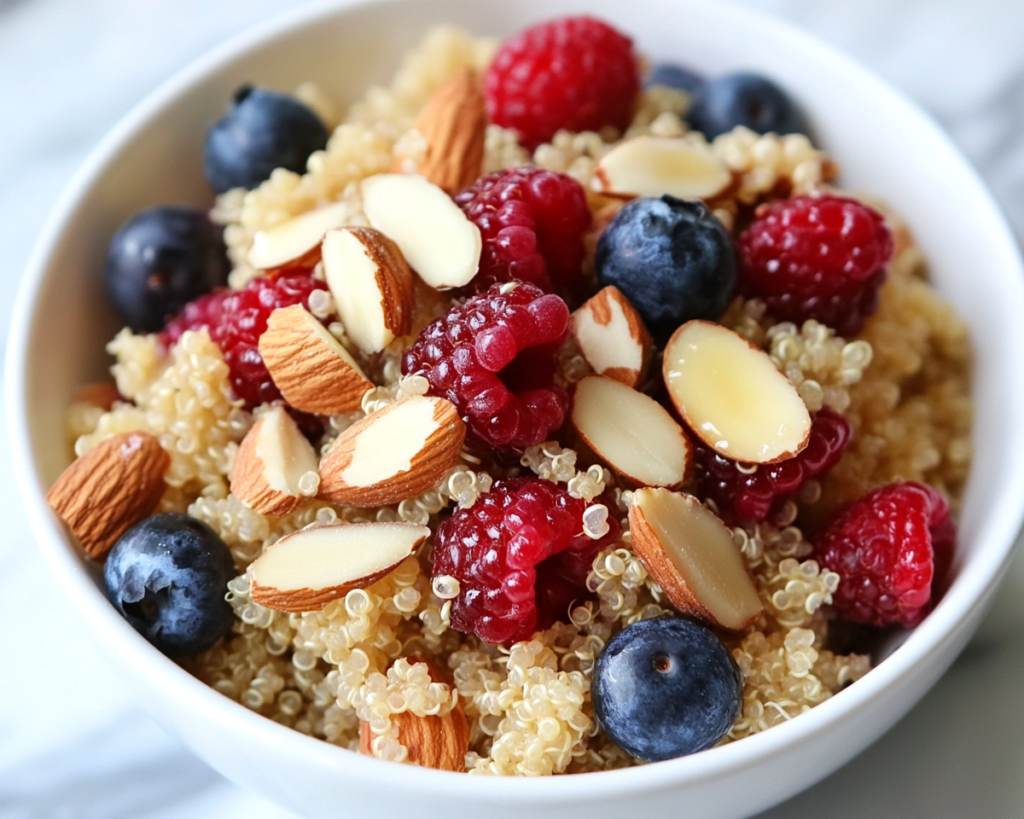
(71, 742)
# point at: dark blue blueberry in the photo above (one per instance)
(167, 576)
(262, 130)
(743, 98)
(159, 261)
(665, 688)
(675, 76)
(671, 258)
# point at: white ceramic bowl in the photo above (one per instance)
(885, 145)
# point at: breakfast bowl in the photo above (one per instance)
(885, 147)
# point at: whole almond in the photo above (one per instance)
(310, 367)
(113, 486)
(454, 125)
(432, 742)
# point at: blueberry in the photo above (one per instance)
(743, 98)
(159, 261)
(665, 688)
(675, 76)
(671, 258)
(262, 130)
(167, 576)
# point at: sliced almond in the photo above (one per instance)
(693, 557)
(310, 367)
(113, 486)
(435, 236)
(371, 284)
(732, 396)
(432, 742)
(398, 452)
(631, 432)
(306, 570)
(453, 124)
(612, 337)
(270, 464)
(296, 243)
(654, 166)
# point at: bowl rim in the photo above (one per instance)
(940, 628)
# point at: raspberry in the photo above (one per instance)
(752, 497)
(494, 359)
(817, 258)
(532, 223)
(236, 319)
(576, 73)
(888, 548)
(521, 559)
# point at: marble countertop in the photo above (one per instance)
(72, 742)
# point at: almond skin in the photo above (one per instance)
(432, 742)
(113, 486)
(454, 125)
(429, 459)
(249, 478)
(309, 366)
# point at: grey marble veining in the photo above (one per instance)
(72, 743)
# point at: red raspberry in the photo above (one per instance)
(494, 359)
(521, 559)
(532, 222)
(236, 319)
(888, 547)
(576, 73)
(816, 257)
(752, 497)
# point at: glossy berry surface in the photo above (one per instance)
(746, 99)
(167, 576)
(494, 359)
(159, 261)
(666, 687)
(675, 76)
(262, 130)
(816, 257)
(671, 258)
(751, 496)
(236, 319)
(532, 223)
(575, 73)
(521, 559)
(888, 547)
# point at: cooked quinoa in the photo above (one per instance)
(903, 384)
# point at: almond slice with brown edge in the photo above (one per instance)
(454, 125)
(310, 367)
(732, 396)
(435, 236)
(296, 242)
(612, 337)
(398, 452)
(113, 486)
(306, 570)
(432, 741)
(371, 284)
(271, 463)
(654, 166)
(631, 433)
(693, 557)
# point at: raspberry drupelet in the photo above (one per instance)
(521, 559)
(494, 359)
(575, 73)
(816, 257)
(532, 223)
(751, 496)
(891, 548)
(236, 319)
